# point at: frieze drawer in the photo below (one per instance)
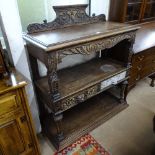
(90, 92)
(78, 98)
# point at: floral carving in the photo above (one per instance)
(95, 46)
(66, 16)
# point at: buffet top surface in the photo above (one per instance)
(145, 37)
(78, 33)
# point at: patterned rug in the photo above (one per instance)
(86, 145)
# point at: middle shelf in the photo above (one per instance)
(93, 76)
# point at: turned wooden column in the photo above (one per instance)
(58, 121)
(52, 61)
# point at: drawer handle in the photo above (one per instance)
(140, 58)
(23, 119)
(139, 67)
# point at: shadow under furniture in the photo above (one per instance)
(75, 100)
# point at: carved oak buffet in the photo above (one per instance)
(75, 100)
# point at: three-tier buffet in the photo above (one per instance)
(76, 99)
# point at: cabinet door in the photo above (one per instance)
(15, 138)
(134, 9)
(149, 10)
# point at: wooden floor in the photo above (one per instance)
(131, 131)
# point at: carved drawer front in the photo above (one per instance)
(88, 93)
(78, 98)
(9, 102)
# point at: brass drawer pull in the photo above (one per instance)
(140, 58)
(139, 67)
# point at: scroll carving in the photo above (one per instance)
(95, 46)
(76, 99)
(66, 16)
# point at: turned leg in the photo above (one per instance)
(58, 121)
(123, 92)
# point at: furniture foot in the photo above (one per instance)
(58, 120)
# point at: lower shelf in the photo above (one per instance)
(83, 118)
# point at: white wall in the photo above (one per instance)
(100, 7)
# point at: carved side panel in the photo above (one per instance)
(66, 16)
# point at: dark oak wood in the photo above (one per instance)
(132, 11)
(17, 134)
(64, 95)
(143, 60)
